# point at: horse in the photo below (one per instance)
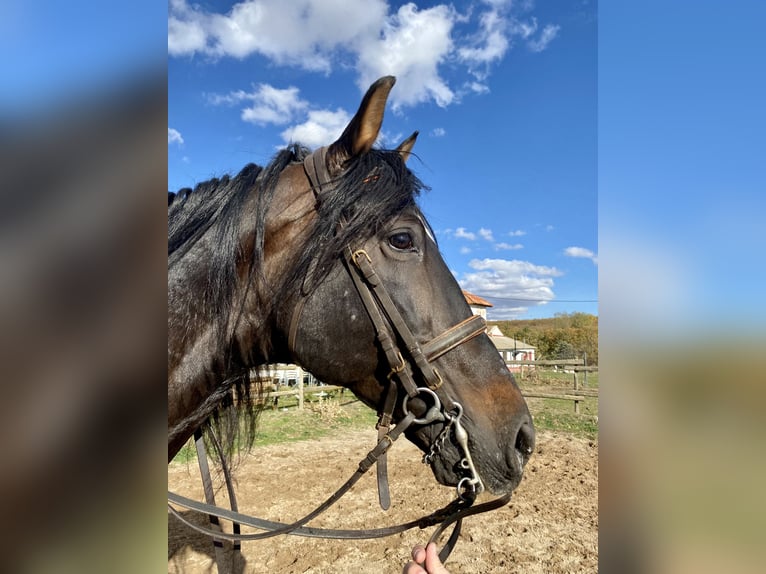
(324, 259)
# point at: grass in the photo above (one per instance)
(319, 418)
(340, 412)
(558, 414)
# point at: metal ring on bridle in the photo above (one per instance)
(425, 420)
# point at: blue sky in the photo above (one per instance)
(680, 118)
(503, 94)
(682, 168)
(57, 51)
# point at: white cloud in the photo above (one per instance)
(525, 29)
(486, 234)
(185, 36)
(270, 105)
(414, 44)
(300, 33)
(273, 105)
(507, 246)
(516, 233)
(461, 233)
(410, 45)
(321, 128)
(546, 37)
(478, 88)
(581, 252)
(512, 285)
(491, 41)
(231, 98)
(174, 136)
(465, 250)
(438, 132)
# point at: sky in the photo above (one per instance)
(682, 169)
(504, 95)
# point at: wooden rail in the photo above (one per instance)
(576, 394)
(300, 391)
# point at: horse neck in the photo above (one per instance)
(200, 360)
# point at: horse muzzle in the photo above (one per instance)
(499, 466)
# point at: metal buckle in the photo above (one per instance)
(399, 369)
(435, 386)
(359, 253)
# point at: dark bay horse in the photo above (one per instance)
(325, 260)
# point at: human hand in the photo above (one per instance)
(426, 561)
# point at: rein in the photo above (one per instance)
(390, 329)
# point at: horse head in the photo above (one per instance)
(350, 211)
(325, 259)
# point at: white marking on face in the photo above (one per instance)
(426, 229)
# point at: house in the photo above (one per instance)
(510, 349)
(477, 304)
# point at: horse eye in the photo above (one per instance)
(401, 241)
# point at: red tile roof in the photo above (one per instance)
(476, 300)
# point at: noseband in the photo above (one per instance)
(407, 359)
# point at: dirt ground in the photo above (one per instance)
(550, 526)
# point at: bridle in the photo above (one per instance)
(406, 358)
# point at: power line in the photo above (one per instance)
(489, 297)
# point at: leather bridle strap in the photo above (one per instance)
(363, 263)
(457, 518)
(385, 337)
(315, 166)
(453, 337)
(450, 514)
(364, 466)
(390, 329)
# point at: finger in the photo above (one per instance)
(412, 568)
(419, 553)
(433, 564)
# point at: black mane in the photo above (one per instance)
(373, 189)
(216, 206)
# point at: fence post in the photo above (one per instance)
(576, 386)
(585, 372)
(300, 389)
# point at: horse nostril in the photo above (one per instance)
(525, 442)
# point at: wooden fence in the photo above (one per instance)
(577, 393)
(301, 391)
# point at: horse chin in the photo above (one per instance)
(446, 471)
(499, 475)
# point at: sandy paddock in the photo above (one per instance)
(550, 526)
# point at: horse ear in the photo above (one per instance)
(364, 127)
(405, 148)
